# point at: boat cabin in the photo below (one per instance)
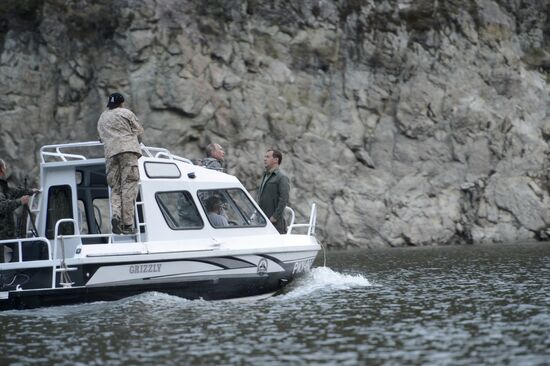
(173, 203)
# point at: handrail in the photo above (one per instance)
(36, 197)
(20, 241)
(310, 225)
(44, 150)
(149, 150)
(173, 157)
(312, 220)
(292, 217)
(59, 222)
(56, 151)
(61, 155)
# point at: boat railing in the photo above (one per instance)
(310, 225)
(160, 152)
(59, 152)
(19, 242)
(109, 237)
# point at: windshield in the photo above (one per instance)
(230, 208)
(179, 210)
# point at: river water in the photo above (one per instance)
(469, 305)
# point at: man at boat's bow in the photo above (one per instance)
(274, 190)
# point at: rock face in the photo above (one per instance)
(408, 122)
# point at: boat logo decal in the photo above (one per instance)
(145, 268)
(302, 266)
(262, 266)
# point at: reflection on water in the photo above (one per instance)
(441, 306)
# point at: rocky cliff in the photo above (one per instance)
(408, 122)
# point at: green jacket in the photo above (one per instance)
(273, 195)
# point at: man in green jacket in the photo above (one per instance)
(274, 190)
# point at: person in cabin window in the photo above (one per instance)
(274, 190)
(214, 210)
(120, 132)
(214, 157)
(10, 200)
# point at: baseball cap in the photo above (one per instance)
(115, 100)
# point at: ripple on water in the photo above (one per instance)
(458, 306)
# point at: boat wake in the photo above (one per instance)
(322, 279)
(318, 280)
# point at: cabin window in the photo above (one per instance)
(179, 210)
(60, 206)
(102, 215)
(230, 208)
(78, 177)
(161, 170)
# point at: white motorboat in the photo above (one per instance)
(71, 256)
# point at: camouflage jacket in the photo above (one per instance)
(9, 201)
(119, 130)
(212, 163)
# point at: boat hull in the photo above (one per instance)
(214, 278)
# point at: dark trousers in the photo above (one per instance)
(280, 225)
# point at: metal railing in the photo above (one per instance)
(62, 265)
(310, 225)
(57, 152)
(159, 152)
(20, 242)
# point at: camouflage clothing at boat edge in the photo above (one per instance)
(123, 178)
(119, 129)
(9, 201)
(212, 163)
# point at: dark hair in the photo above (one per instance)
(278, 155)
(212, 203)
(115, 100)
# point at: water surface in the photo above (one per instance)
(430, 306)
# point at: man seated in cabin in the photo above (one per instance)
(214, 211)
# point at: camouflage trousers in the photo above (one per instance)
(123, 178)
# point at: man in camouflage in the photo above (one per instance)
(120, 132)
(10, 200)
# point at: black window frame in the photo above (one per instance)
(165, 211)
(238, 208)
(66, 228)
